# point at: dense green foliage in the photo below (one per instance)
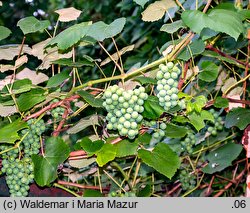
(128, 98)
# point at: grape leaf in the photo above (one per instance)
(89, 146)
(57, 79)
(91, 99)
(152, 109)
(45, 167)
(98, 31)
(106, 154)
(126, 148)
(162, 159)
(174, 131)
(29, 99)
(230, 21)
(222, 157)
(8, 133)
(195, 48)
(31, 24)
(156, 10)
(68, 14)
(209, 71)
(83, 124)
(172, 27)
(5, 32)
(221, 102)
(145, 80)
(141, 2)
(70, 63)
(239, 117)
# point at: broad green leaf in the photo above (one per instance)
(31, 24)
(206, 115)
(92, 193)
(207, 33)
(145, 192)
(221, 102)
(174, 131)
(141, 2)
(145, 80)
(230, 21)
(8, 133)
(172, 27)
(156, 10)
(5, 32)
(195, 48)
(19, 86)
(239, 117)
(83, 124)
(57, 79)
(89, 146)
(126, 148)
(222, 157)
(200, 102)
(196, 120)
(45, 167)
(162, 159)
(106, 154)
(99, 31)
(209, 71)
(81, 163)
(152, 109)
(91, 99)
(29, 99)
(143, 139)
(70, 63)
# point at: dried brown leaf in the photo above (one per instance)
(36, 78)
(7, 110)
(68, 14)
(8, 52)
(20, 61)
(5, 81)
(227, 84)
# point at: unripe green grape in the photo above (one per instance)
(133, 125)
(127, 124)
(125, 105)
(214, 132)
(121, 120)
(156, 135)
(130, 110)
(167, 98)
(124, 131)
(210, 129)
(170, 81)
(163, 126)
(141, 109)
(177, 70)
(121, 99)
(162, 93)
(159, 75)
(161, 133)
(109, 126)
(174, 75)
(134, 115)
(167, 75)
(161, 87)
(161, 99)
(127, 116)
(170, 65)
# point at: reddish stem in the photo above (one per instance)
(210, 47)
(82, 186)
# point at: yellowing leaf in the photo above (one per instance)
(68, 14)
(156, 10)
(116, 55)
(36, 78)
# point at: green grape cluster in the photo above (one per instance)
(188, 143)
(158, 128)
(188, 181)
(31, 141)
(17, 163)
(217, 125)
(124, 109)
(167, 85)
(19, 174)
(58, 111)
